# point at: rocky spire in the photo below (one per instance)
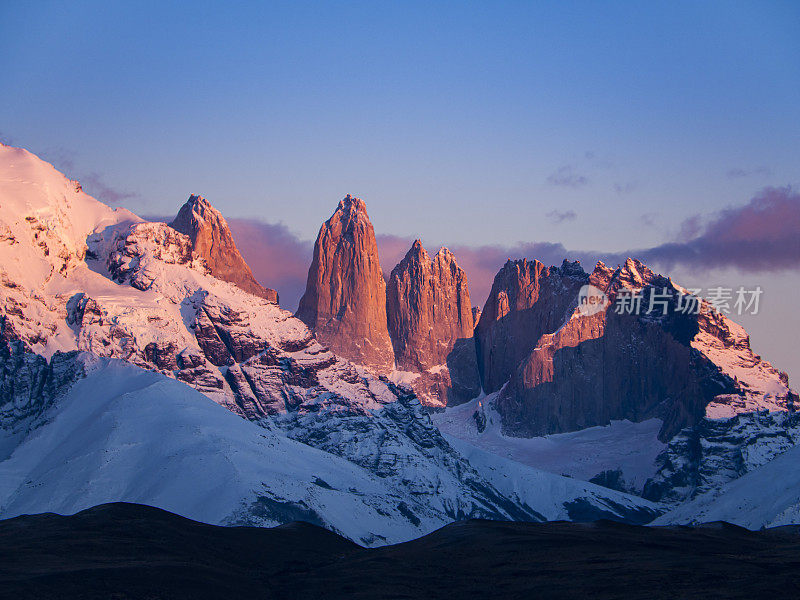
(345, 298)
(430, 323)
(212, 240)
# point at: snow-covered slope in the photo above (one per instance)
(760, 386)
(553, 496)
(45, 219)
(706, 457)
(765, 497)
(125, 434)
(121, 433)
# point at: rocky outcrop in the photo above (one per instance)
(28, 382)
(212, 240)
(430, 323)
(144, 245)
(702, 459)
(476, 315)
(345, 298)
(527, 300)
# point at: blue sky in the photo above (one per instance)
(599, 125)
(447, 119)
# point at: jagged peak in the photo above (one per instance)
(198, 200)
(418, 253)
(572, 268)
(212, 240)
(446, 260)
(352, 203)
(632, 266)
(443, 260)
(602, 271)
(521, 264)
(194, 208)
(444, 252)
(636, 272)
(199, 207)
(350, 213)
(632, 274)
(415, 254)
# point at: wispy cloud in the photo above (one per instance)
(739, 173)
(94, 185)
(567, 176)
(557, 217)
(648, 219)
(590, 167)
(61, 158)
(625, 188)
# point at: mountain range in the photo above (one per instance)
(142, 362)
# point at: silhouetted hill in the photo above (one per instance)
(128, 551)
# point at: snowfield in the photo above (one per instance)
(553, 496)
(631, 448)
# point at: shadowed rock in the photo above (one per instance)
(431, 326)
(650, 360)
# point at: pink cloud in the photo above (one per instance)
(762, 235)
(278, 258)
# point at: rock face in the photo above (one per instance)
(660, 362)
(212, 240)
(430, 323)
(28, 382)
(527, 300)
(345, 298)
